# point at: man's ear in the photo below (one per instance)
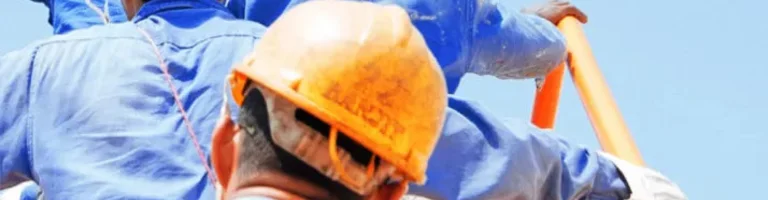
(224, 149)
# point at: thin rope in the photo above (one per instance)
(177, 99)
(106, 11)
(104, 17)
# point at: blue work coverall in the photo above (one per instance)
(89, 115)
(479, 157)
(466, 36)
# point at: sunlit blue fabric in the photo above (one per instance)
(480, 157)
(466, 36)
(68, 15)
(89, 115)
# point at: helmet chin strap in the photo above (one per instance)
(332, 153)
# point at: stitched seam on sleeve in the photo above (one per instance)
(29, 130)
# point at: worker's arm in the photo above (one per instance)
(509, 44)
(479, 157)
(15, 73)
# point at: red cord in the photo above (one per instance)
(177, 99)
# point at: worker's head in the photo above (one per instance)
(339, 100)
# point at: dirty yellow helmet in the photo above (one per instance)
(362, 69)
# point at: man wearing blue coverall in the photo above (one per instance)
(136, 172)
(92, 114)
(476, 156)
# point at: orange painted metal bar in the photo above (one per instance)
(613, 134)
(547, 99)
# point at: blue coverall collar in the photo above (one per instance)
(157, 6)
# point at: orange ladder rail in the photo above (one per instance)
(613, 134)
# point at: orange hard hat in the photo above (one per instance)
(361, 68)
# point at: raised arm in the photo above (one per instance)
(15, 70)
(509, 44)
(479, 157)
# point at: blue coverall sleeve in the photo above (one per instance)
(15, 72)
(479, 157)
(509, 44)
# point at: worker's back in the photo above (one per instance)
(93, 117)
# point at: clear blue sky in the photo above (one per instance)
(687, 75)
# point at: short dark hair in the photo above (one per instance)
(258, 153)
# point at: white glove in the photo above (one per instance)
(646, 184)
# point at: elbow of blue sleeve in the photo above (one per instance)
(519, 46)
(554, 51)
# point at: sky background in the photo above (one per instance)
(687, 75)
